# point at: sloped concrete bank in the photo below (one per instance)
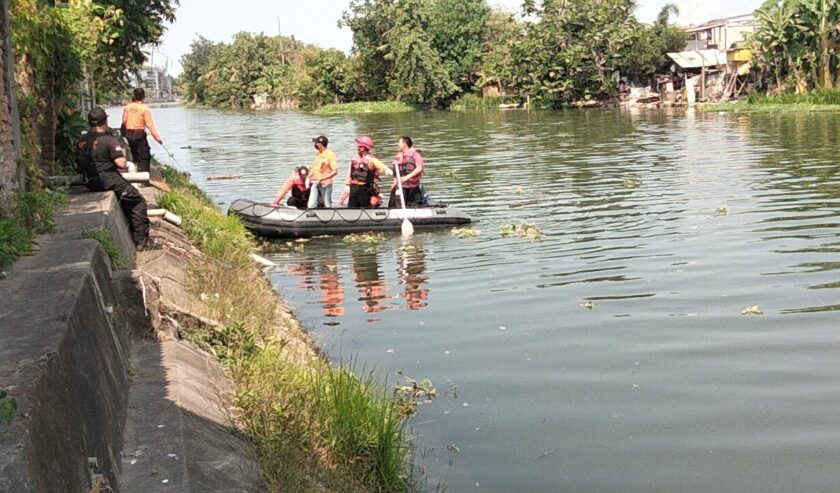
(103, 404)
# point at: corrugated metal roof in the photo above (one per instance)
(698, 58)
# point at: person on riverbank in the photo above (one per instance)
(99, 156)
(298, 183)
(361, 177)
(137, 117)
(323, 172)
(411, 167)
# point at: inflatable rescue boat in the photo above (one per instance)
(288, 222)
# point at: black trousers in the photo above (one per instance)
(413, 197)
(132, 203)
(359, 197)
(140, 150)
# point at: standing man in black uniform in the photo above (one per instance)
(99, 156)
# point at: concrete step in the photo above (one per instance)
(177, 437)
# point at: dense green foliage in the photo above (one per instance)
(364, 107)
(429, 53)
(64, 51)
(796, 43)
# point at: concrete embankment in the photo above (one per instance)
(100, 402)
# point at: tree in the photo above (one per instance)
(502, 31)
(647, 54)
(457, 30)
(798, 42)
(573, 48)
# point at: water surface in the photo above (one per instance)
(663, 385)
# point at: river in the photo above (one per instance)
(612, 355)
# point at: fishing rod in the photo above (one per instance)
(172, 156)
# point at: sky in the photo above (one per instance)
(315, 21)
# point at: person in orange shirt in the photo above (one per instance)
(136, 119)
(323, 172)
(299, 185)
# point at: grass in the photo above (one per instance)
(816, 100)
(314, 427)
(34, 213)
(469, 102)
(109, 245)
(364, 107)
(8, 407)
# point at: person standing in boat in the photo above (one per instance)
(323, 172)
(137, 117)
(410, 162)
(299, 185)
(361, 177)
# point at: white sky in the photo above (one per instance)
(315, 21)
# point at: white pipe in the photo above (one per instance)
(262, 260)
(166, 215)
(137, 176)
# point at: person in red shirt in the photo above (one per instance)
(299, 185)
(136, 119)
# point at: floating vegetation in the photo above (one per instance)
(364, 238)
(453, 448)
(752, 310)
(466, 232)
(632, 183)
(723, 210)
(449, 172)
(589, 304)
(411, 393)
(524, 230)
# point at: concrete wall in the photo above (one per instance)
(9, 126)
(64, 358)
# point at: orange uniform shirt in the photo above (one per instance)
(325, 167)
(137, 116)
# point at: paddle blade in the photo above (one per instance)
(407, 228)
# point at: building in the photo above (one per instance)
(157, 82)
(720, 34)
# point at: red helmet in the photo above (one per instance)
(365, 142)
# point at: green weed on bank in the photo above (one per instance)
(815, 101)
(314, 427)
(364, 107)
(34, 213)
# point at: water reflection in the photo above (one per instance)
(369, 281)
(411, 269)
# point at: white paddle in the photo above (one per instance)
(407, 227)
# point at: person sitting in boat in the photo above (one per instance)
(299, 185)
(410, 163)
(361, 177)
(323, 171)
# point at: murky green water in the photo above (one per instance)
(663, 385)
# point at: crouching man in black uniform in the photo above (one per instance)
(99, 156)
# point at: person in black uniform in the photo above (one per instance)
(99, 156)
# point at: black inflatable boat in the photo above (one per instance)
(287, 222)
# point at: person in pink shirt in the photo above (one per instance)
(410, 163)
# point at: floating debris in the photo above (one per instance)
(723, 210)
(519, 191)
(524, 230)
(368, 238)
(449, 172)
(589, 304)
(466, 232)
(632, 183)
(224, 177)
(752, 310)
(453, 448)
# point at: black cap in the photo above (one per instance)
(321, 140)
(97, 116)
(303, 170)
